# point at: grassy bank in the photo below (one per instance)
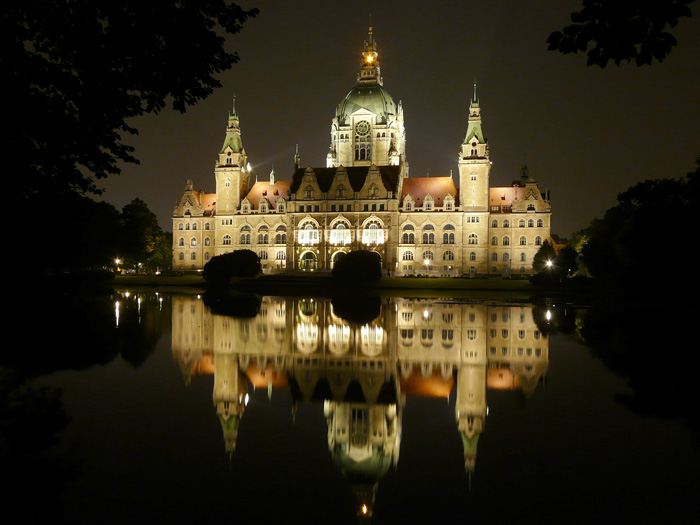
(311, 283)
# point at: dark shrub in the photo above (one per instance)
(240, 263)
(358, 266)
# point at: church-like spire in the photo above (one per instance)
(233, 133)
(369, 73)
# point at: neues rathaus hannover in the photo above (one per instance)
(364, 199)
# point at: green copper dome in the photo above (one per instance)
(371, 97)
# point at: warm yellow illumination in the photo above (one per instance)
(364, 509)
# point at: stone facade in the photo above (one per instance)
(364, 199)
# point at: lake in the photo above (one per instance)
(177, 408)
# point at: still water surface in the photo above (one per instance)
(403, 410)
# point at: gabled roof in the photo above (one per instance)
(271, 192)
(505, 196)
(356, 175)
(437, 187)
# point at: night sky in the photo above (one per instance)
(585, 133)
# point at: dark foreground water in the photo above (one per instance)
(145, 408)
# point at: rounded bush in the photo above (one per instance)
(240, 263)
(359, 265)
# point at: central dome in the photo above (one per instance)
(371, 97)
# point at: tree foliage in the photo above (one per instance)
(621, 30)
(239, 263)
(78, 71)
(358, 265)
(651, 218)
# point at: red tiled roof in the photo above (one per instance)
(271, 192)
(437, 187)
(504, 196)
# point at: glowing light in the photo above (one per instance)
(549, 264)
(548, 315)
(364, 509)
(247, 397)
(426, 314)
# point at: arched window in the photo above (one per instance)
(193, 242)
(506, 223)
(472, 256)
(521, 223)
(227, 239)
(494, 223)
(448, 256)
(207, 241)
(340, 235)
(407, 256)
(538, 241)
(181, 241)
(540, 223)
(522, 241)
(428, 255)
(308, 234)
(494, 241)
(506, 241)
(473, 238)
(245, 235)
(531, 223)
(373, 235)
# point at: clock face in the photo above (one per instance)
(362, 128)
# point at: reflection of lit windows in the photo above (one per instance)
(471, 335)
(372, 339)
(447, 335)
(307, 337)
(338, 338)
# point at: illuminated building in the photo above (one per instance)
(364, 198)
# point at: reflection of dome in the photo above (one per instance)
(372, 97)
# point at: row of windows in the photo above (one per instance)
(193, 226)
(280, 256)
(449, 256)
(373, 235)
(522, 223)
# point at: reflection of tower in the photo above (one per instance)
(470, 409)
(230, 396)
(364, 440)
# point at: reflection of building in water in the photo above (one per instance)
(362, 374)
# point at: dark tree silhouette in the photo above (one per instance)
(621, 30)
(239, 263)
(78, 72)
(623, 247)
(358, 265)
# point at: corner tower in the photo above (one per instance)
(474, 163)
(368, 126)
(231, 170)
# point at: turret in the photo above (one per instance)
(474, 163)
(232, 168)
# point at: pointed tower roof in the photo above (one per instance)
(474, 128)
(233, 131)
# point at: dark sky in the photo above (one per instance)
(585, 133)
